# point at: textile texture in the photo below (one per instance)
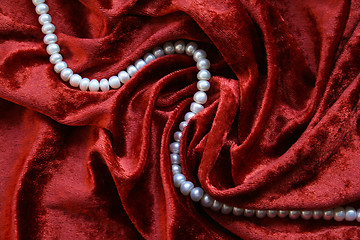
(281, 128)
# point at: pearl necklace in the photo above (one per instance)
(197, 194)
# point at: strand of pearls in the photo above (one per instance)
(197, 194)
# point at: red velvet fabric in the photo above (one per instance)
(281, 129)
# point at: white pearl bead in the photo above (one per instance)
(123, 76)
(226, 209)
(132, 70)
(37, 2)
(104, 85)
(168, 48)
(189, 115)
(158, 52)
(358, 215)
(306, 214)
(283, 213)
(66, 74)
(249, 212)
(174, 158)
(60, 66)
(178, 179)
(350, 214)
(179, 46)
(199, 54)
(41, 8)
(196, 108)
(200, 97)
(175, 147)
(52, 48)
(50, 38)
(191, 48)
(196, 194)
(140, 64)
(44, 18)
(271, 213)
(207, 200)
(339, 214)
(149, 57)
(317, 214)
(328, 214)
(203, 75)
(260, 213)
(177, 136)
(94, 85)
(203, 64)
(238, 211)
(216, 205)
(48, 28)
(55, 58)
(182, 125)
(75, 80)
(203, 85)
(186, 187)
(114, 82)
(84, 84)
(294, 214)
(175, 169)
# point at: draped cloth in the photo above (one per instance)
(280, 130)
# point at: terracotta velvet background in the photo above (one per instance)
(281, 129)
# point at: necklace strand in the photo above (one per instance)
(187, 188)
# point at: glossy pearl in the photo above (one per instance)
(175, 169)
(50, 38)
(75, 80)
(203, 85)
(317, 214)
(44, 18)
(169, 48)
(114, 82)
(179, 46)
(191, 48)
(175, 147)
(249, 212)
(149, 57)
(339, 214)
(66, 74)
(216, 205)
(328, 214)
(132, 70)
(177, 136)
(238, 211)
(41, 8)
(52, 48)
(226, 209)
(196, 108)
(199, 54)
(203, 64)
(271, 213)
(104, 85)
(294, 214)
(37, 2)
(207, 200)
(94, 85)
(175, 158)
(203, 75)
(189, 115)
(200, 97)
(60, 66)
(306, 214)
(158, 52)
(350, 214)
(123, 76)
(55, 58)
(84, 84)
(260, 213)
(178, 179)
(196, 194)
(140, 64)
(48, 28)
(186, 187)
(182, 125)
(283, 213)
